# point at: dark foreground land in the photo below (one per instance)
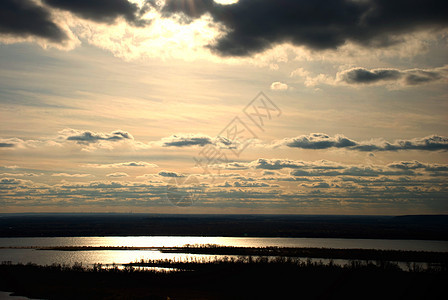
(242, 278)
(426, 227)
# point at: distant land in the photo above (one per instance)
(421, 227)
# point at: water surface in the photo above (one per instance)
(125, 256)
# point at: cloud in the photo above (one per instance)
(169, 174)
(17, 143)
(252, 184)
(71, 175)
(279, 164)
(279, 86)
(255, 26)
(10, 181)
(332, 169)
(415, 165)
(275, 164)
(130, 164)
(87, 137)
(428, 143)
(320, 185)
(6, 145)
(103, 11)
(191, 139)
(411, 77)
(24, 18)
(21, 174)
(324, 141)
(364, 76)
(362, 171)
(185, 140)
(117, 175)
(320, 141)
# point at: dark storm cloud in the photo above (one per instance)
(323, 141)
(408, 77)
(256, 25)
(24, 18)
(87, 137)
(103, 11)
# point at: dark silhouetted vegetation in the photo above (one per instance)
(226, 278)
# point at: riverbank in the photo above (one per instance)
(225, 278)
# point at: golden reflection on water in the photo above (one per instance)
(126, 256)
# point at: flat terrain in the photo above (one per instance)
(427, 227)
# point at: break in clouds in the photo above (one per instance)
(248, 26)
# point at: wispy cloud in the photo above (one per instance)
(117, 175)
(71, 175)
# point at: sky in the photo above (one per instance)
(206, 106)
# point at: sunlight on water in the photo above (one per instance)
(47, 257)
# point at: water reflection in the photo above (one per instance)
(126, 256)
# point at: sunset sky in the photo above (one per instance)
(255, 106)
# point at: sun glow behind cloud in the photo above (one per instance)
(165, 38)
